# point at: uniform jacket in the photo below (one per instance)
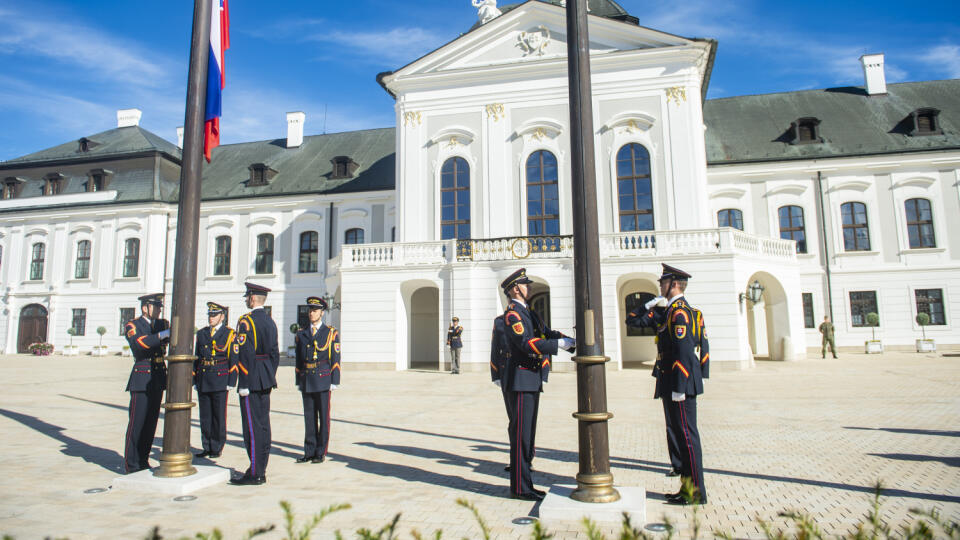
(257, 352)
(531, 345)
(499, 350)
(318, 358)
(827, 330)
(216, 348)
(149, 372)
(454, 334)
(683, 349)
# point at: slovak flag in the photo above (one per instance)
(219, 42)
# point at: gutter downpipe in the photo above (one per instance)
(824, 250)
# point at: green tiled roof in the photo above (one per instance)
(755, 128)
(116, 141)
(307, 169)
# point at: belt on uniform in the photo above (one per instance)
(262, 357)
(158, 360)
(312, 365)
(212, 362)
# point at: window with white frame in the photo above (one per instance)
(264, 261)
(930, 301)
(37, 258)
(920, 223)
(856, 232)
(543, 194)
(792, 226)
(730, 217)
(82, 266)
(309, 252)
(221, 256)
(131, 257)
(634, 188)
(455, 199)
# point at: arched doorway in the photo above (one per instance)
(638, 344)
(540, 302)
(768, 321)
(33, 327)
(425, 328)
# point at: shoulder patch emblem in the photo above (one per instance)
(236, 348)
(336, 347)
(517, 328)
(681, 313)
(680, 331)
(241, 339)
(513, 315)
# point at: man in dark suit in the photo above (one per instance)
(147, 337)
(258, 357)
(531, 344)
(213, 371)
(684, 363)
(455, 342)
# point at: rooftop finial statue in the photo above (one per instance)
(486, 10)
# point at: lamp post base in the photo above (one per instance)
(175, 466)
(595, 488)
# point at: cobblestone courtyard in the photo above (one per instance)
(813, 435)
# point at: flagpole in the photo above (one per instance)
(175, 460)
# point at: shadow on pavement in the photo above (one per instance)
(910, 431)
(108, 459)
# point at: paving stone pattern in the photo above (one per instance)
(813, 435)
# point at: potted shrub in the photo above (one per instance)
(71, 349)
(41, 349)
(873, 346)
(925, 345)
(292, 350)
(101, 349)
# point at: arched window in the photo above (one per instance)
(353, 236)
(856, 234)
(543, 194)
(634, 189)
(131, 257)
(730, 217)
(309, 251)
(221, 256)
(82, 268)
(792, 227)
(36, 261)
(264, 262)
(920, 224)
(455, 199)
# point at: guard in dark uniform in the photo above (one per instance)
(258, 358)
(684, 363)
(213, 371)
(317, 374)
(654, 316)
(531, 344)
(147, 337)
(499, 353)
(455, 342)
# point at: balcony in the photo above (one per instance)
(613, 247)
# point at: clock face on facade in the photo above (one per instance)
(520, 248)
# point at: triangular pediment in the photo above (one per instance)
(533, 32)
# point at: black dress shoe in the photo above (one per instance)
(249, 480)
(202, 454)
(304, 459)
(682, 501)
(532, 496)
(317, 459)
(673, 472)
(211, 455)
(540, 492)
(507, 468)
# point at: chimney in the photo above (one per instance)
(295, 122)
(128, 117)
(180, 140)
(875, 80)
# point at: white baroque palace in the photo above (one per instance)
(784, 207)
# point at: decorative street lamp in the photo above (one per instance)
(754, 292)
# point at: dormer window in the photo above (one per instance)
(11, 187)
(343, 167)
(86, 144)
(926, 121)
(53, 184)
(260, 175)
(806, 131)
(97, 180)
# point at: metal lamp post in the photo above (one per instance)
(175, 459)
(594, 481)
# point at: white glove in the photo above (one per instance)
(567, 343)
(164, 334)
(497, 382)
(655, 302)
(244, 392)
(678, 396)
(334, 386)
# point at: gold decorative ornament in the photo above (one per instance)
(521, 248)
(495, 111)
(411, 117)
(539, 134)
(453, 143)
(676, 94)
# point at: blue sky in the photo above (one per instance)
(67, 66)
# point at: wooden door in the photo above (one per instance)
(33, 327)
